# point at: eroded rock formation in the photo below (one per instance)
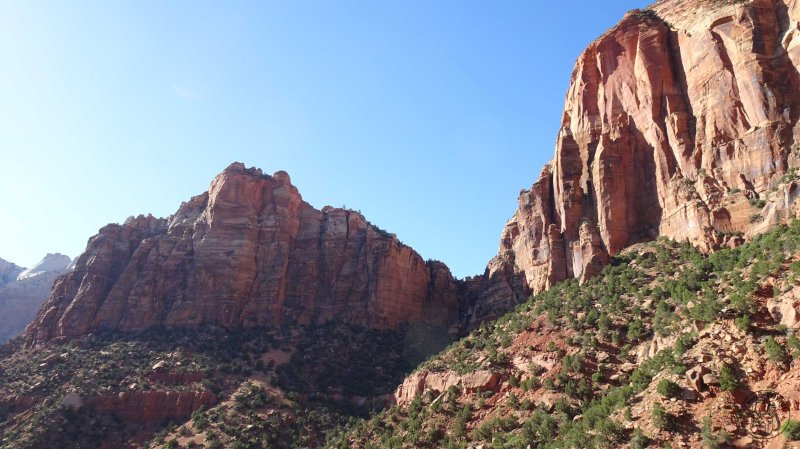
(681, 121)
(153, 406)
(249, 252)
(439, 382)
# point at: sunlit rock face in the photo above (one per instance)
(249, 252)
(676, 123)
(680, 121)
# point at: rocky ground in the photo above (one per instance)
(661, 350)
(208, 387)
(222, 325)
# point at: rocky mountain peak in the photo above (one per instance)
(248, 252)
(23, 294)
(52, 262)
(680, 121)
(9, 271)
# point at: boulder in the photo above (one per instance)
(481, 381)
(694, 377)
(72, 401)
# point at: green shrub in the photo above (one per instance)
(513, 401)
(460, 427)
(707, 309)
(639, 440)
(792, 430)
(668, 388)
(710, 439)
(661, 419)
(727, 379)
(775, 351)
(794, 344)
(635, 331)
(603, 324)
(743, 322)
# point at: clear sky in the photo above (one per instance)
(427, 116)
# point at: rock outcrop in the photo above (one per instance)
(439, 382)
(22, 292)
(249, 252)
(153, 406)
(9, 272)
(681, 121)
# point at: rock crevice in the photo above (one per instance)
(673, 120)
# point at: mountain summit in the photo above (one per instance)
(51, 263)
(680, 121)
(249, 252)
(252, 319)
(24, 291)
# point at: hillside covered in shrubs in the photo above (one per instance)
(660, 350)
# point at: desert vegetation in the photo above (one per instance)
(607, 363)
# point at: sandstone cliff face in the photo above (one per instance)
(677, 122)
(22, 294)
(153, 406)
(249, 252)
(681, 121)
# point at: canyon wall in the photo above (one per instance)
(249, 252)
(681, 121)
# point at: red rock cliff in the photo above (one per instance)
(249, 252)
(681, 121)
(678, 122)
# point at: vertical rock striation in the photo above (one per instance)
(681, 121)
(249, 252)
(678, 122)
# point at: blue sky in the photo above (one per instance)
(427, 116)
